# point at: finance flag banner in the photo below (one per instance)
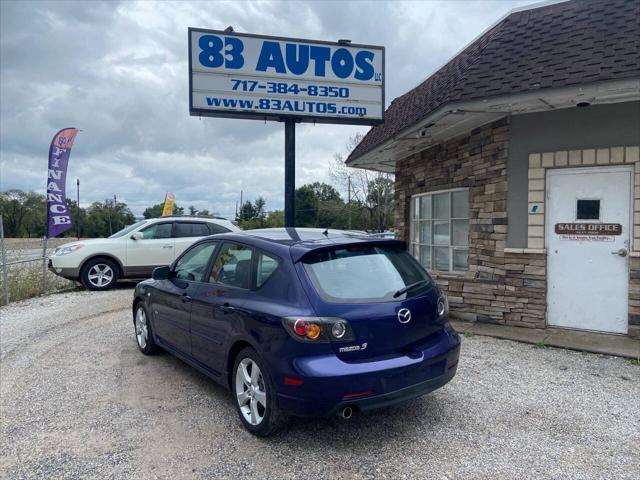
(169, 200)
(58, 213)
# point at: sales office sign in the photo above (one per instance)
(588, 232)
(250, 76)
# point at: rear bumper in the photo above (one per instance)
(401, 395)
(330, 384)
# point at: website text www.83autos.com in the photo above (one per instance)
(288, 105)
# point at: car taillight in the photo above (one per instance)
(300, 327)
(318, 329)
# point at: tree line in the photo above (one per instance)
(321, 205)
(317, 205)
(369, 204)
(24, 214)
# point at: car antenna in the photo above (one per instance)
(326, 232)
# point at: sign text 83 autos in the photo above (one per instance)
(293, 59)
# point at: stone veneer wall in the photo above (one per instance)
(499, 287)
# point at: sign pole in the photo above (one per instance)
(289, 172)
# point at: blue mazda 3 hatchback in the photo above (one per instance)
(302, 322)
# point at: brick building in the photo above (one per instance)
(518, 169)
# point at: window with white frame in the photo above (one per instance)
(440, 230)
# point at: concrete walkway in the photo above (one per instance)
(616, 345)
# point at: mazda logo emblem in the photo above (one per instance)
(404, 315)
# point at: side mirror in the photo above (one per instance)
(137, 236)
(161, 273)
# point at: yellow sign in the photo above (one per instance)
(169, 201)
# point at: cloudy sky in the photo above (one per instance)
(118, 71)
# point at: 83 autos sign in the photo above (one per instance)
(250, 76)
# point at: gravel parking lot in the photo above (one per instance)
(79, 401)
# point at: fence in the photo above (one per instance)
(24, 268)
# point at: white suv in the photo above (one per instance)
(134, 251)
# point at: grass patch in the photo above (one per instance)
(25, 281)
(467, 334)
(634, 361)
(540, 344)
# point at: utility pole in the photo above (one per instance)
(108, 209)
(241, 205)
(115, 218)
(349, 198)
(379, 217)
(78, 204)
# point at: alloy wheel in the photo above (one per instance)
(142, 329)
(100, 275)
(251, 392)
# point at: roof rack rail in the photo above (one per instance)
(194, 216)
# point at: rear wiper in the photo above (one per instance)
(409, 287)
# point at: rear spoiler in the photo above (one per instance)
(300, 250)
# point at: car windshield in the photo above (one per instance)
(128, 229)
(365, 274)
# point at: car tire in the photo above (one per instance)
(99, 274)
(251, 389)
(142, 330)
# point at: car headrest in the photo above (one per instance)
(242, 273)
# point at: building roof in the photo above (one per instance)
(558, 45)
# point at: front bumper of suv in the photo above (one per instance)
(71, 273)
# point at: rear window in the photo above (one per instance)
(365, 274)
(214, 228)
(188, 229)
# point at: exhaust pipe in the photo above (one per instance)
(346, 413)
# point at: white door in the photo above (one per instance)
(588, 241)
(155, 249)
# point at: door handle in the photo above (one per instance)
(167, 246)
(225, 308)
(622, 252)
(185, 298)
